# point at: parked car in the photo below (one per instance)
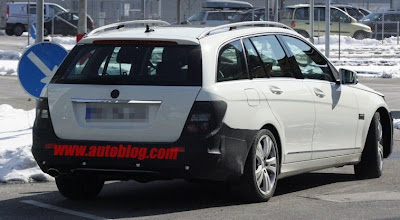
(389, 23)
(217, 12)
(297, 16)
(19, 15)
(352, 11)
(257, 14)
(66, 24)
(243, 104)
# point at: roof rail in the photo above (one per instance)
(240, 24)
(119, 25)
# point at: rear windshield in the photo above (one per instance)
(131, 65)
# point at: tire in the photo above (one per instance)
(260, 176)
(79, 187)
(9, 32)
(371, 164)
(18, 29)
(359, 35)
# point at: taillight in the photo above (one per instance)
(205, 118)
(8, 12)
(293, 24)
(43, 119)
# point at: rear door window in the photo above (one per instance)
(273, 57)
(131, 65)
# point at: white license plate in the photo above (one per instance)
(116, 112)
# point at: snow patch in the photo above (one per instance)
(396, 123)
(16, 160)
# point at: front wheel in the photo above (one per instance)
(18, 29)
(360, 35)
(371, 164)
(260, 176)
(79, 187)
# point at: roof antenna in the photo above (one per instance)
(120, 26)
(148, 30)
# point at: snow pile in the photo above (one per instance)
(396, 123)
(9, 55)
(16, 160)
(369, 57)
(9, 62)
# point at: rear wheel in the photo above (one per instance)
(9, 32)
(371, 164)
(79, 187)
(18, 29)
(259, 180)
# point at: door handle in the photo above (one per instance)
(276, 90)
(319, 93)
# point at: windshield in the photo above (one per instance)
(239, 17)
(199, 16)
(287, 13)
(131, 65)
(372, 17)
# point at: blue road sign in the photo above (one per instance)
(38, 65)
(32, 30)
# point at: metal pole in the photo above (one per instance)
(178, 11)
(29, 20)
(383, 25)
(327, 27)
(311, 21)
(82, 22)
(39, 20)
(398, 23)
(144, 9)
(376, 30)
(266, 10)
(159, 9)
(276, 11)
(339, 35)
(319, 21)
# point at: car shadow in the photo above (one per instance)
(131, 199)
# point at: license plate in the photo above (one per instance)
(104, 112)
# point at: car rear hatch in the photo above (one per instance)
(128, 91)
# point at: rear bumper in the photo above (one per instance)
(219, 157)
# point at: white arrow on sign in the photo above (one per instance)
(42, 67)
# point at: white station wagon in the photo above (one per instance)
(240, 103)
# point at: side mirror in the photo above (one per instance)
(348, 76)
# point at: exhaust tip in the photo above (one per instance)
(53, 172)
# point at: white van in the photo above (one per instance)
(18, 17)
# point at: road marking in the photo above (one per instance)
(42, 67)
(360, 197)
(63, 210)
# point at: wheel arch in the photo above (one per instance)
(387, 127)
(275, 132)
